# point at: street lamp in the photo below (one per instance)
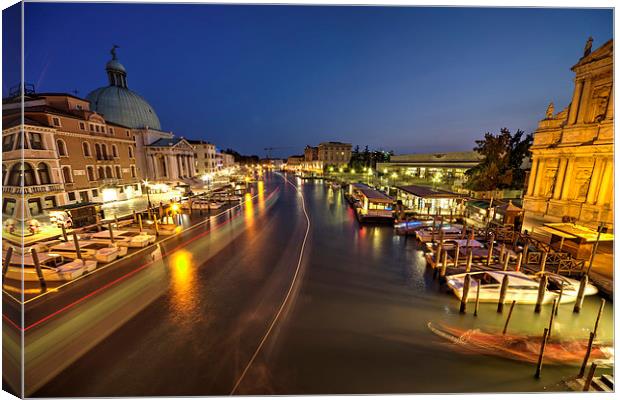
(369, 173)
(148, 196)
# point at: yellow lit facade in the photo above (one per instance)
(572, 155)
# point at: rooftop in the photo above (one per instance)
(438, 158)
(371, 193)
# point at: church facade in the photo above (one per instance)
(572, 175)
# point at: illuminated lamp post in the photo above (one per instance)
(148, 195)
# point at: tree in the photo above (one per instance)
(500, 167)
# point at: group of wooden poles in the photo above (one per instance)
(504, 259)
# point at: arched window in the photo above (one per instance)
(44, 174)
(98, 151)
(114, 151)
(86, 149)
(108, 172)
(66, 174)
(118, 172)
(91, 173)
(100, 173)
(18, 170)
(130, 152)
(104, 151)
(62, 147)
(4, 172)
(133, 171)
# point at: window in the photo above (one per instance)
(86, 149)
(35, 140)
(82, 126)
(98, 151)
(66, 174)
(7, 142)
(108, 172)
(127, 133)
(130, 151)
(19, 170)
(19, 141)
(90, 172)
(114, 151)
(133, 171)
(44, 174)
(71, 196)
(95, 193)
(49, 202)
(8, 206)
(62, 148)
(111, 130)
(4, 171)
(118, 172)
(34, 205)
(78, 107)
(56, 121)
(104, 152)
(84, 197)
(100, 173)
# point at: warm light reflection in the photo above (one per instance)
(183, 282)
(249, 210)
(261, 195)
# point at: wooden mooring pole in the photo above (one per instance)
(444, 264)
(64, 232)
(541, 355)
(542, 288)
(512, 306)
(76, 243)
(490, 253)
(586, 357)
(456, 255)
(543, 261)
(477, 299)
(502, 294)
(519, 261)
(111, 232)
(553, 306)
(465, 294)
(470, 257)
(598, 316)
(140, 222)
(588, 381)
(557, 307)
(506, 261)
(37, 266)
(581, 293)
(7, 261)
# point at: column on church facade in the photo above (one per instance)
(609, 114)
(155, 170)
(607, 183)
(539, 176)
(177, 159)
(532, 178)
(192, 165)
(174, 170)
(585, 102)
(559, 180)
(595, 180)
(568, 176)
(574, 106)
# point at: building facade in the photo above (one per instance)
(431, 167)
(335, 154)
(71, 155)
(572, 154)
(205, 157)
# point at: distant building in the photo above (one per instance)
(293, 163)
(326, 154)
(224, 161)
(572, 173)
(427, 200)
(205, 157)
(444, 167)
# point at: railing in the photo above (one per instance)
(54, 187)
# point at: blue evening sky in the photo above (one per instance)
(248, 77)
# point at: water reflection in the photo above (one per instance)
(248, 210)
(261, 196)
(183, 283)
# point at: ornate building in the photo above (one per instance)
(572, 154)
(70, 155)
(160, 155)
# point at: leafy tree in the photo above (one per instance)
(500, 167)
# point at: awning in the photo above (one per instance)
(580, 231)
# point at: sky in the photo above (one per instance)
(408, 79)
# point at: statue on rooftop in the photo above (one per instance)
(588, 49)
(550, 110)
(113, 51)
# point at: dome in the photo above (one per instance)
(124, 107)
(118, 104)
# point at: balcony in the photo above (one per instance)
(52, 187)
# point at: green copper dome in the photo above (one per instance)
(120, 105)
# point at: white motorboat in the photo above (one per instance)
(450, 231)
(54, 267)
(125, 238)
(521, 287)
(102, 252)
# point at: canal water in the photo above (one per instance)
(359, 322)
(356, 320)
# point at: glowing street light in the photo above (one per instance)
(148, 196)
